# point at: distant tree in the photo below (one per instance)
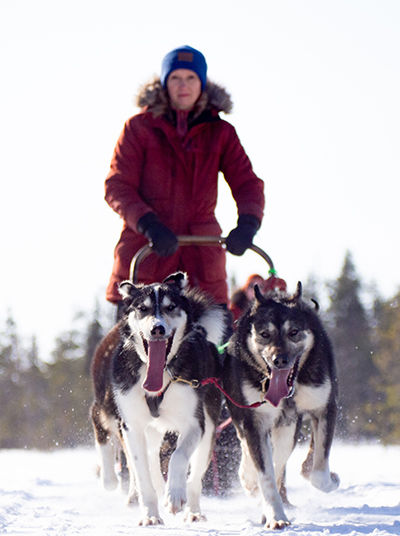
(46, 404)
(10, 383)
(34, 401)
(386, 411)
(70, 383)
(70, 391)
(11, 359)
(350, 331)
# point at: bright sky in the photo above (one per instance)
(315, 86)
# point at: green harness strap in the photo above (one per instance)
(221, 348)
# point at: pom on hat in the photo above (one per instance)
(184, 58)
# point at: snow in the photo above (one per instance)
(58, 493)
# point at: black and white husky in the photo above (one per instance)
(146, 381)
(280, 355)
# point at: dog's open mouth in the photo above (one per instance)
(281, 384)
(157, 351)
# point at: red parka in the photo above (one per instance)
(153, 169)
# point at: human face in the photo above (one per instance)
(184, 88)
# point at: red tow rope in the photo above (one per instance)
(214, 381)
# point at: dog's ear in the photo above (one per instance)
(257, 293)
(299, 290)
(316, 304)
(179, 279)
(127, 289)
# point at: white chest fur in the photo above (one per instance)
(175, 411)
(311, 398)
(266, 410)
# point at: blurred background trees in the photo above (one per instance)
(45, 400)
(349, 327)
(45, 404)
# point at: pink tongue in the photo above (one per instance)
(155, 366)
(278, 387)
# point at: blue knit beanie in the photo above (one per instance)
(184, 58)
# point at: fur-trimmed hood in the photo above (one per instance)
(153, 98)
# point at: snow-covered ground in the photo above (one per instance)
(57, 493)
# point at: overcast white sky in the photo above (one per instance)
(315, 86)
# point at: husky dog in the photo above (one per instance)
(149, 383)
(280, 355)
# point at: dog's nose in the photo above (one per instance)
(281, 360)
(158, 330)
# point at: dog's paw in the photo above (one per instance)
(275, 524)
(176, 500)
(146, 521)
(193, 517)
(324, 481)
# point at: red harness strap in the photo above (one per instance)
(195, 384)
(214, 381)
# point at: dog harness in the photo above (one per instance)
(196, 384)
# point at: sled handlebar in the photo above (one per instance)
(188, 240)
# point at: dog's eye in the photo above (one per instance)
(293, 333)
(171, 307)
(142, 308)
(265, 335)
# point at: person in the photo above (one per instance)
(242, 298)
(163, 179)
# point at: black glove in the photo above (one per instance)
(241, 237)
(162, 239)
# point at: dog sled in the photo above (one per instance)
(226, 455)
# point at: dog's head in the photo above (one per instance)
(154, 322)
(279, 338)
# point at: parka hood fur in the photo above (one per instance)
(153, 98)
